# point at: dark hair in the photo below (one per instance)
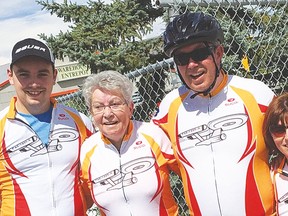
(277, 111)
(189, 28)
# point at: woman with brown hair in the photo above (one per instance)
(275, 128)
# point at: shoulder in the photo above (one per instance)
(91, 141)
(149, 129)
(248, 83)
(170, 98)
(71, 110)
(154, 135)
(95, 137)
(4, 112)
(90, 144)
(175, 93)
(260, 91)
(64, 107)
(77, 115)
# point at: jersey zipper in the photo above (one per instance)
(122, 177)
(215, 180)
(54, 206)
(214, 164)
(54, 203)
(209, 104)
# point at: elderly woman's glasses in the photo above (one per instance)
(196, 55)
(115, 106)
(278, 130)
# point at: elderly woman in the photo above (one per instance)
(275, 130)
(126, 163)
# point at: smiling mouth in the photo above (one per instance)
(110, 123)
(34, 93)
(197, 76)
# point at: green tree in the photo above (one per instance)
(105, 36)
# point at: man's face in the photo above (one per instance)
(198, 69)
(33, 79)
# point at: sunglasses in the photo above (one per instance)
(196, 55)
(278, 130)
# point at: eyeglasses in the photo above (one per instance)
(196, 55)
(115, 106)
(278, 130)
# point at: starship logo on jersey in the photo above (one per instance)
(212, 132)
(126, 175)
(35, 145)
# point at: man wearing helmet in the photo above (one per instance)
(214, 122)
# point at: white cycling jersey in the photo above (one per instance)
(36, 179)
(219, 146)
(280, 180)
(134, 180)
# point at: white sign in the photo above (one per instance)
(72, 71)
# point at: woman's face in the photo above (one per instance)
(111, 114)
(279, 134)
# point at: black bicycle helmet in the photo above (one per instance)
(190, 28)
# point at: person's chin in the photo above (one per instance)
(32, 101)
(198, 87)
(36, 101)
(110, 129)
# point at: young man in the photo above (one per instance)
(40, 140)
(214, 122)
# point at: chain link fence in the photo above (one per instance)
(255, 47)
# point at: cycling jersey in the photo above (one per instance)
(36, 179)
(280, 180)
(219, 146)
(134, 180)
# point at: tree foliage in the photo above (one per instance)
(105, 36)
(261, 36)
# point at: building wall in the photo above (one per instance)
(70, 77)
